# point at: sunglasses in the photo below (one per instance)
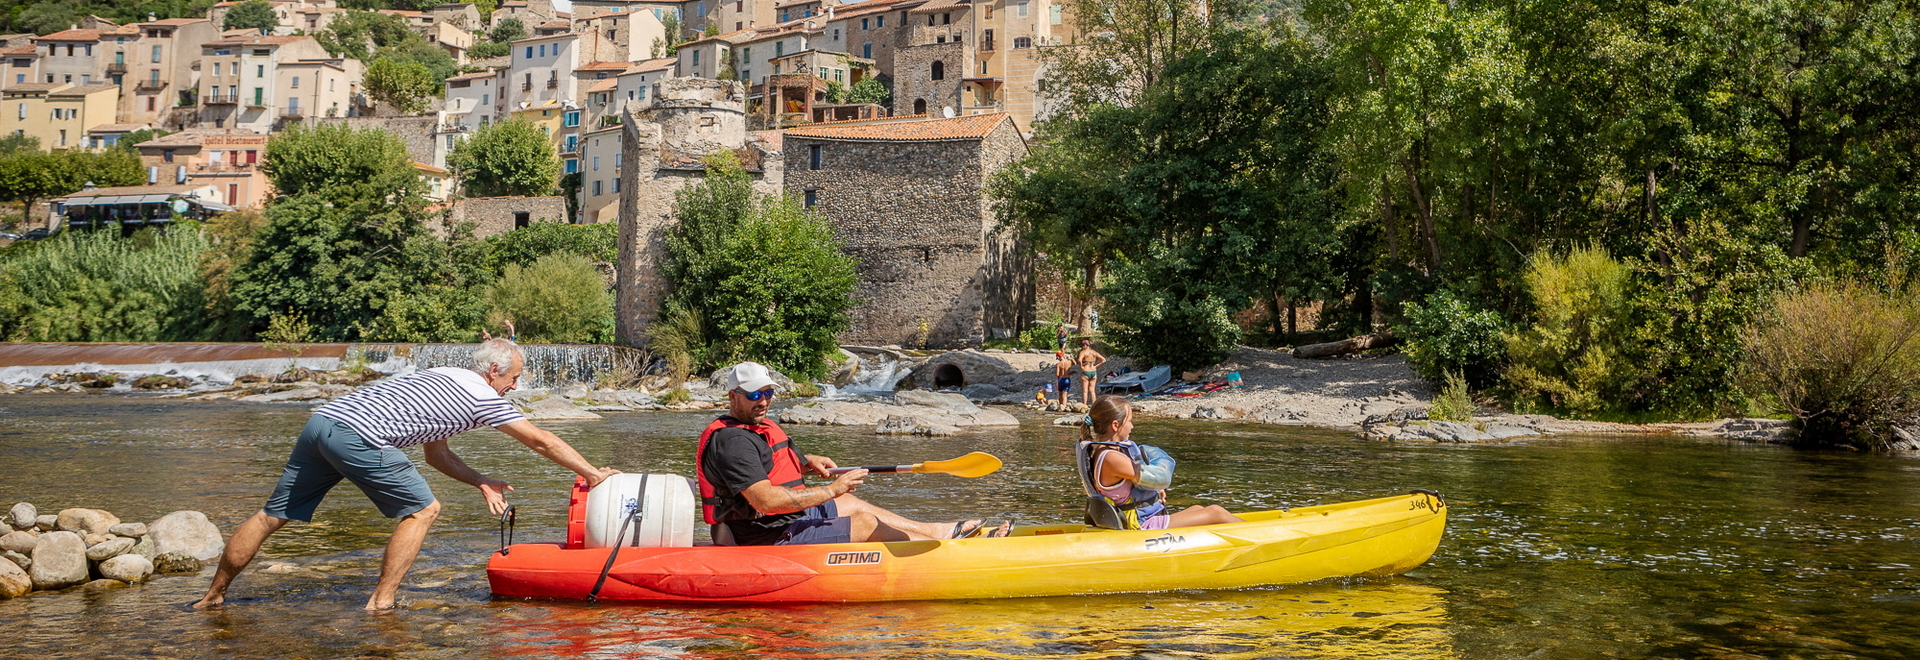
(756, 395)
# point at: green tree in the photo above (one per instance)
(766, 279)
(508, 29)
(870, 90)
(561, 298)
(440, 66)
(356, 34)
(346, 247)
(32, 176)
(332, 159)
(47, 18)
(132, 140)
(251, 15)
(407, 86)
(507, 158)
(17, 142)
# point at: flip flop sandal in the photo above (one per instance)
(961, 531)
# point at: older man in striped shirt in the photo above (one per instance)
(360, 437)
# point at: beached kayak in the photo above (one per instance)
(1370, 537)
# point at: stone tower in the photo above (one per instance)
(663, 148)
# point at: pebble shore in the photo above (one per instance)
(95, 549)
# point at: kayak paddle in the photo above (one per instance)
(976, 464)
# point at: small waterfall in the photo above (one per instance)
(547, 365)
(876, 374)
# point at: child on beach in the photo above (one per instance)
(1132, 478)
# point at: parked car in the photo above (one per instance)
(9, 236)
(37, 234)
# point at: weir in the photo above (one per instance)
(547, 365)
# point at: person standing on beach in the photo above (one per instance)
(1090, 361)
(1063, 369)
(359, 437)
(1060, 337)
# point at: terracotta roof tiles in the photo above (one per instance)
(971, 127)
(73, 35)
(603, 66)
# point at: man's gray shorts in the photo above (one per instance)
(328, 451)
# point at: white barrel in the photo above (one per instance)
(666, 520)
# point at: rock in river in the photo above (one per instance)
(23, 515)
(127, 568)
(20, 542)
(557, 408)
(60, 561)
(14, 582)
(110, 549)
(23, 561)
(46, 523)
(129, 530)
(85, 521)
(176, 562)
(187, 532)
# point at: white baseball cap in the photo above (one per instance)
(749, 377)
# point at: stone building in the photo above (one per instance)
(492, 216)
(663, 144)
(906, 198)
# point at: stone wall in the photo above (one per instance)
(913, 77)
(913, 216)
(492, 216)
(417, 132)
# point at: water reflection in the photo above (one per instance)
(1385, 619)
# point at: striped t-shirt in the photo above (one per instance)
(421, 407)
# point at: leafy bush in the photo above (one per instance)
(768, 279)
(1164, 317)
(97, 286)
(559, 299)
(1576, 355)
(1843, 360)
(1454, 403)
(1690, 310)
(596, 242)
(507, 158)
(1446, 337)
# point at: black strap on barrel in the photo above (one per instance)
(633, 518)
(506, 530)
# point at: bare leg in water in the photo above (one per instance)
(246, 542)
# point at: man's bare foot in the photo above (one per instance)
(374, 607)
(210, 602)
(1005, 529)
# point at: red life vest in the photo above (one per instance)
(788, 470)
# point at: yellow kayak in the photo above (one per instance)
(1381, 536)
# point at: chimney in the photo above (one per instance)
(151, 17)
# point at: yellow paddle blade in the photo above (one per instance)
(974, 465)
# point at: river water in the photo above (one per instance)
(1601, 547)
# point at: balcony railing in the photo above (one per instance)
(149, 85)
(986, 44)
(116, 68)
(217, 168)
(526, 86)
(221, 99)
(553, 84)
(293, 113)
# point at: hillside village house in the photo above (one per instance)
(227, 160)
(163, 70)
(472, 98)
(257, 83)
(57, 114)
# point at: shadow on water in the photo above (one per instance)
(1655, 547)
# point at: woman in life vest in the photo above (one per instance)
(1134, 477)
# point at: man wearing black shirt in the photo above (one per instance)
(753, 481)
